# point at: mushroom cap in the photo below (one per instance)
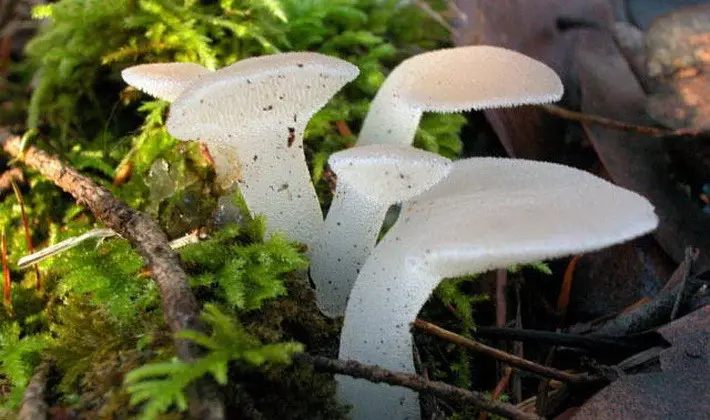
(475, 77)
(388, 173)
(281, 88)
(499, 212)
(163, 80)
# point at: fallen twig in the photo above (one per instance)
(510, 359)
(595, 343)
(33, 405)
(566, 288)
(10, 176)
(6, 285)
(543, 388)
(415, 382)
(518, 346)
(67, 244)
(179, 304)
(100, 233)
(434, 15)
(690, 256)
(617, 125)
(500, 387)
(28, 235)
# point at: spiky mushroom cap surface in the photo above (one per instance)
(164, 81)
(454, 80)
(388, 173)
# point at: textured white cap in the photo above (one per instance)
(388, 173)
(163, 80)
(453, 80)
(273, 89)
(476, 77)
(254, 113)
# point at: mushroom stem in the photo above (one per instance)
(389, 120)
(386, 340)
(347, 240)
(454, 80)
(370, 180)
(284, 185)
(516, 212)
(256, 111)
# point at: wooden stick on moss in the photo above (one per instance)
(33, 405)
(179, 304)
(10, 176)
(417, 383)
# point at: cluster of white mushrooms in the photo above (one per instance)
(457, 218)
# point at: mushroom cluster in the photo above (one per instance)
(457, 218)
(370, 180)
(489, 213)
(252, 115)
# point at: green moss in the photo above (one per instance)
(19, 354)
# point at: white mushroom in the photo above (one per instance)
(252, 115)
(455, 80)
(165, 81)
(370, 180)
(487, 214)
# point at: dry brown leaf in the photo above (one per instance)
(679, 391)
(678, 51)
(634, 161)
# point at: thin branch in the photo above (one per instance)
(179, 304)
(10, 176)
(508, 358)
(65, 245)
(6, 285)
(618, 125)
(434, 15)
(28, 235)
(596, 343)
(377, 374)
(33, 405)
(100, 234)
(500, 387)
(691, 255)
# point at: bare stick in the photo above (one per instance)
(28, 235)
(10, 176)
(500, 387)
(6, 285)
(617, 125)
(508, 358)
(69, 243)
(33, 405)
(433, 14)
(179, 304)
(65, 245)
(377, 374)
(690, 256)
